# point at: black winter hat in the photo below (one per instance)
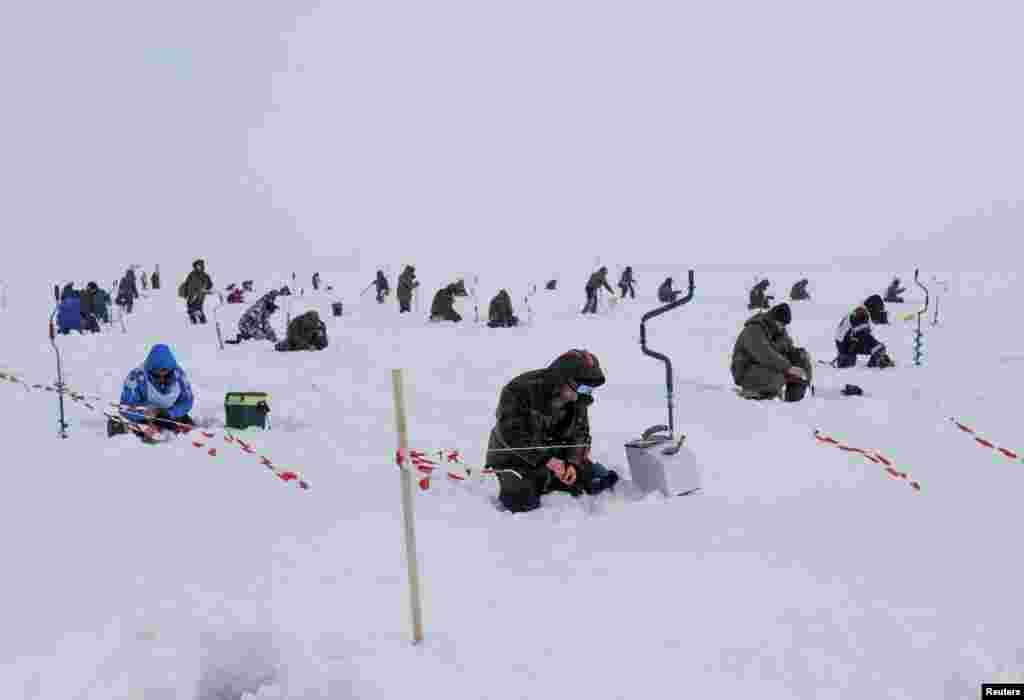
(781, 313)
(874, 303)
(578, 367)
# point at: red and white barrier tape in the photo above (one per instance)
(872, 456)
(184, 428)
(1009, 454)
(424, 467)
(150, 431)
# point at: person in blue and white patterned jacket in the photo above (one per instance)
(255, 322)
(157, 393)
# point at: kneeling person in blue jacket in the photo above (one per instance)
(157, 393)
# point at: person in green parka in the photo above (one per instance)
(305, 332)
(500, 314)
(765, 359)
(443, 307)
(406, 283)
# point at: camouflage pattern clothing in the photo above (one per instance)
(892, 294)
(665, 292)
(799, 291)
(500, 314)
(193, 290)
(597, 280)
(626, 283)
(531, 414)
(305, 332)
(406, 283)
(758, 297)
(255, 322)
(443, 307)
(764, 352)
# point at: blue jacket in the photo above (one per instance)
(69, 313)
(140, 390)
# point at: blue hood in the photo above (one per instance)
(160, 357)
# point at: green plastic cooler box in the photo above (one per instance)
(246, 409)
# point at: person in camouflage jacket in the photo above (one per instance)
(597, 280)
(759, 299)
(443, 307)
(255, 322)
(799, 291)
(406, 283)
(541, 439)
(626, 283)
(894, 293)
(305, 332)
(764, 359)
(499, 313)
(666, 295)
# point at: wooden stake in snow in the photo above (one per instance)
(407, 512)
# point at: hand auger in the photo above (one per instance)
(63, 432)
(918, 335)
(658, 356)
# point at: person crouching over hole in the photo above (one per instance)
(539, 414)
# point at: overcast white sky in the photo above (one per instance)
(639, 131)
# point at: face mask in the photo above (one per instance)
(581, 389)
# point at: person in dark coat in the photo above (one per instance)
(90, 302)
(381, 284)
(443, 307)
(101, 305)
(759, 299)
(406, 284)
(894, 293)
(799, 291)
(155, 280)
(626, 283)
(144, 280)
(876, 310)
(127, 291)
(305, 332)
(500, 314)
(765, 360)
(541, 438)
(666, 294)
(194, 290)
(316, 281)
(854, 337)
(597, 280)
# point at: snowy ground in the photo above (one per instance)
(801, 571)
